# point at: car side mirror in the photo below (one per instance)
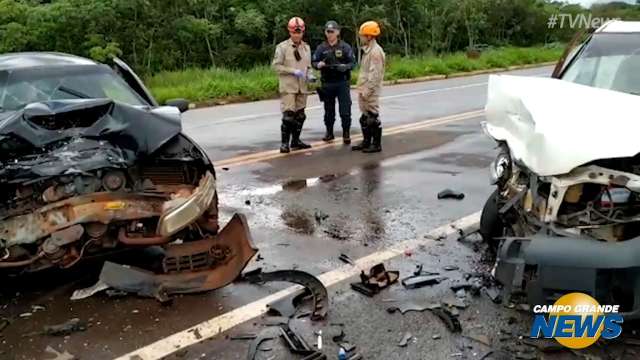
(181, 104)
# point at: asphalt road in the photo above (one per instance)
(305, 209)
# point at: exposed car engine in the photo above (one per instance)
(81, 177)
(593, 201)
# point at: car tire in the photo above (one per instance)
(491, 226)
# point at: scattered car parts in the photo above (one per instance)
(450, 194)
(315, 356)
(310, 282)
(346, 259)
(4, 323)
(296, 343)
(64, 355)
(288, 306)
(414, 306)
(263, 336)
(454, 302)
(420, 271)
(405, 339)
(450, 321)
(377, 279)
(66, 328)
(418, 281)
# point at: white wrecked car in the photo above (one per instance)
(566, 213)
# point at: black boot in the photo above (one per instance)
(376, 144)
(346, 137)
(328, 136)
(285, 133)
(286, 130)
(366, 135)
(296, 143)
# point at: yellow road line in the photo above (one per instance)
(275, 154)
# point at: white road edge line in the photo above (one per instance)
(318, 107)
(215, 326)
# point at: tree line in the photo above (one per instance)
(156, 35)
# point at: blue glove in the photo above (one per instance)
(298, 73)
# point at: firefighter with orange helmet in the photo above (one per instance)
(369, 88)
(292, 61)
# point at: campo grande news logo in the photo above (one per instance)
(577, 321)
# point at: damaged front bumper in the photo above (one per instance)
(191, 267)
(610, 272)
(174, 215)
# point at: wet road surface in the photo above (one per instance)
(305, 210)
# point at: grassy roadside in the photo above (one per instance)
(218, 85)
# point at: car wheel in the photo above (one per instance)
(491, 226)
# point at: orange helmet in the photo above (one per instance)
(370, 28)
(296, 24)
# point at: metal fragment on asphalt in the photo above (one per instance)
(418, 281)
(263, 336)
(65, 355)
(346, 259)
(405, 339)
(483, 339)
(66, 328)
(378, 279)
(493, 294)
(90, 291)
(413, 306)
(243, 337)
(454, 302)
(452, 322)
(450, 194)
(315, 287)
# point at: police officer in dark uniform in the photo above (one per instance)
(335, 60)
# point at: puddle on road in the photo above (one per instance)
(299, 220)
(291, 185)
(348, 207)
(462, 159)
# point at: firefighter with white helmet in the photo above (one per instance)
(292, 61)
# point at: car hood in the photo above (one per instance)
(553, 126)
(70, 136)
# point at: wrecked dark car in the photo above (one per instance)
(91, 164)
(566, 213)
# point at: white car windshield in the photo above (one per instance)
(19, 89)
(608, 61)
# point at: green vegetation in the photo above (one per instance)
(165, 35)
(203, 49)
(260, 83)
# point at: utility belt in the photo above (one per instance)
(322, 90)
(335, 80)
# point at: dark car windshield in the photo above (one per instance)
(608, 61)
(21, 87)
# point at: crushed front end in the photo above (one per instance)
(90, 177)
(566, 213)
(574, 232)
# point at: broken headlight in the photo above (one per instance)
(500, 169)
(191, 209)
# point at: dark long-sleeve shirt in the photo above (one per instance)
(339, 61)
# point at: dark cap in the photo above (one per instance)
(332, 25)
